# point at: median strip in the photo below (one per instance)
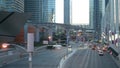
(63, 60)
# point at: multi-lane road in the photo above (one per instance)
(88, 58)
(44, 58)
(84, 57)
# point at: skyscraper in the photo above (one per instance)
(67, 13)
(12, 5)
(106, 2)
(48, 10)
(91, 13)
(41, 10)
(35, 8)
(97, 11)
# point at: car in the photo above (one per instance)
(50, 47)
(93, 48)
(64, 44)
(57, 46)
(105, 48)
(100, 52)
(69, 46)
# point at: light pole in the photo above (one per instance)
(67, 38)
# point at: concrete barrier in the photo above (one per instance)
(62, 62)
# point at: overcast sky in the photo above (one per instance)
(80, 11)
(59, 11)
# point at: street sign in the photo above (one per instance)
(45, 42)
(30, 42)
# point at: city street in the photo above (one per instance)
(44, 58)
(59, 33)
(84, 57)
(89, 58)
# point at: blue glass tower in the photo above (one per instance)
(42, 10)
(48, 11)
(12, 5)
(67, 9)
(106, 2)
(97, 10)
(35, 8)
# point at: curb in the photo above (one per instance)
(40, 48)
(66, 57)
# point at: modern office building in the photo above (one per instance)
(105, 18)
(48, 11)
(35, 8)
(111, 25)
(12, 5)
(91, 13)
(42, 10)
(67, 11)
(97, 10)
(106, 2)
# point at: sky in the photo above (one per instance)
(59, 11)
(80, 11)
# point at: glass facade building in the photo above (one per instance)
(41, 10)
(91, 13)
(111, 24)
(48, 11)
(12, 5)
(97, 10)
(67, 11)
(35, 8)
(106, 2)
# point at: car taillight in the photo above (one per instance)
(5, 45)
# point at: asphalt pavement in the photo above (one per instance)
(44, 58)
(88, 58)
(83, 57)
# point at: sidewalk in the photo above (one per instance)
(116, 59)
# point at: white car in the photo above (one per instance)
(100, 52)
(69, 46)
(57, 46)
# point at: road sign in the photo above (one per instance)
(30, 42)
